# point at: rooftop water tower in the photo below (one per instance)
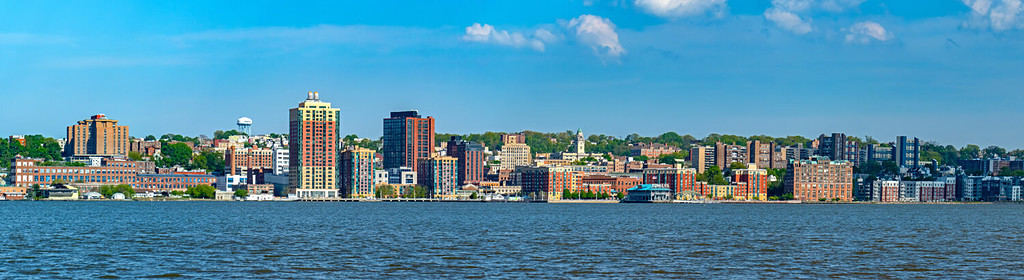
(245, 125)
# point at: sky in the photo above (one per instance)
(948, 71)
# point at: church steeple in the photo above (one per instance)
(580, 142)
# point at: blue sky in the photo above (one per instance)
(946, 71)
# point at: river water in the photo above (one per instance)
(274, 240)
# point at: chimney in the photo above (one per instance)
(309, 95)
(316, 95)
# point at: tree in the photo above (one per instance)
(175, 154)
(177, 193)
(994, 152)
(620, 195)
(201, 191)
(35, 193)
(473, 196)
(150, 138)
(136, 156)
(211, 161)
(217, 135)
(673, 157)
(419, 191)
(713, 175)
(970, 151)
(775, 188)
(640, 158)
(242, 193)
(736, 165)
(384, 191)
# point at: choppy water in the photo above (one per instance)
(216, 240)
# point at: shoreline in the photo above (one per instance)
(786, 202)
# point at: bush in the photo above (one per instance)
(201, 191)
(109, 191)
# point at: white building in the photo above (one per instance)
(228, 182)
(401, 176)
(380, 177)
(280, 161)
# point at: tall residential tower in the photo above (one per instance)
(313, 148)
(97, 136)
(408, 137)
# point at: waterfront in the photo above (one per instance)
(455, 240)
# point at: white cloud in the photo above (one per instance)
(598, 33)
(865, 31)
(680, 8)
(788, 20)
(839, 5)
(998, 14)
(485, 33)
(792, 5)
(795, 15)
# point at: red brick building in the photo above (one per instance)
(752, 183)
(408, 137)
(28, 172)
(238, 161)
(652, 150)
(617, 183)
(819, 178)
(677, 179)
(471, 159)
(548, 182)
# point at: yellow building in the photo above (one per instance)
(723, 191)
(313, 149)
(356, 173)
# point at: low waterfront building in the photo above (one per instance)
(12, 192)
(166, 183)
(648, 193)
(229, 182)
(969, 187)
(502, 189)
(862, 187)
(28, 172)
(59, 192)
(885, 190)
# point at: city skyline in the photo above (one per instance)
(943, 73)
